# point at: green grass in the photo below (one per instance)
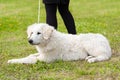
(97, 16)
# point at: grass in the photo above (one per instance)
(97, 16)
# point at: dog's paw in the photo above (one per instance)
(12, 61)
(91, 60)
(88, 57)
(26, 60)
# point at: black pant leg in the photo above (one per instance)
(67, 18)
(51, 18)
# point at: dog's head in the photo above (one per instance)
(39, 33)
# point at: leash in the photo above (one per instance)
(39, 11)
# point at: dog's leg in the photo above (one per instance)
(31, 59)
(44, 58)
(98, 58)
(41, 57)
(34, 55)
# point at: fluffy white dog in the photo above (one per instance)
(53, 45)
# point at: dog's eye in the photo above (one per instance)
(38, 33)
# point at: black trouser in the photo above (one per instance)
(51, 18)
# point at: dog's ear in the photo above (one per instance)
(47, 31)
(29, 32)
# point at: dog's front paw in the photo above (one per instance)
(26, 60)
(12, 61)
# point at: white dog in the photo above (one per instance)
(53, 45)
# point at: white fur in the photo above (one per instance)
(53, 45)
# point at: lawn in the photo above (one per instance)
(96, 16)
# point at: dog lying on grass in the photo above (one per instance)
(53, 45)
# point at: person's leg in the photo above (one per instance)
(67, 18)
(51, 18)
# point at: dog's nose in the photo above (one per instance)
(30, 41)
